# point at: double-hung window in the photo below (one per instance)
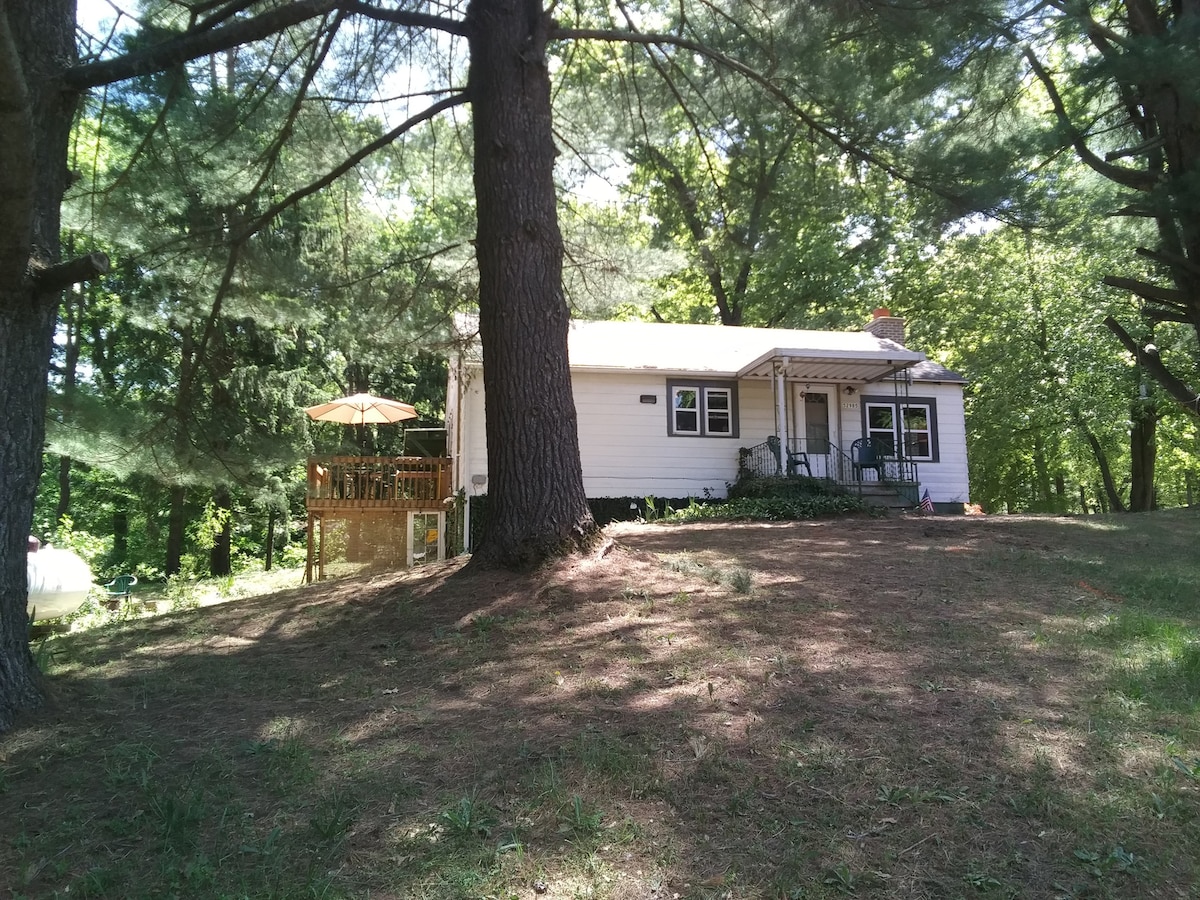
(909, 423)
(702, 408)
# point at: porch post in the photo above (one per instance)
(781, 428)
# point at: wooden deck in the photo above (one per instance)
(370, 501)
(358, 483)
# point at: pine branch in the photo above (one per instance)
(1152, 292)
(349, 163)
(203, 41)
(781, 96)
(1166, 315)
(1130, 178)
(273, 152)
(408, 18)
(57, 278)
(1173, 260)
(1148, 358)
(193, 44)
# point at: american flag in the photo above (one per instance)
(926, 503)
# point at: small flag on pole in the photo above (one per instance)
(926, 503)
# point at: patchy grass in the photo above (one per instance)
(871, 708)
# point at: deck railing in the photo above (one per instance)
(378, 482)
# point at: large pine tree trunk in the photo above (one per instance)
(35, 119)
(536, 503)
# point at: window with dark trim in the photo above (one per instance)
(906, 422)
(697, 408)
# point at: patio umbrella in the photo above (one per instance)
(361, 409)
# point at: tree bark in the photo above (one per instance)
(270, 558)
(175, 523)
(36, 39)
(536, 503)
(1110, 487)
(220, 557)
(1142, 455)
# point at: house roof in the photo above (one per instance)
(931, 371)
(741, 352)
(715, 350)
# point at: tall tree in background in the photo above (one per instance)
(174, 162)
(1123, 88)
(1051, 404)
(868, 125)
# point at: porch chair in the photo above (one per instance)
(796, 459)
(868, 453)
(776, 452)
(120, 588)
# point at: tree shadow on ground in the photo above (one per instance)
(897, 708)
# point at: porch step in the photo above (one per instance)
(880, 495)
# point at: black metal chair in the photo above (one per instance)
(796, 459)
(774, 447)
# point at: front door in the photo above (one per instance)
(816, 428)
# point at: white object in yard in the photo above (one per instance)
(59, 582)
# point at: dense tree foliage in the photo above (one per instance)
(1053, 406)
(1121, 82)
(195, 385)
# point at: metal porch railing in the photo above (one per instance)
(827, 461)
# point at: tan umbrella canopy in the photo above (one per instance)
(362, 409)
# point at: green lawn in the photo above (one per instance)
(995, 707)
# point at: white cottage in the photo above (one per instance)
(676, 411)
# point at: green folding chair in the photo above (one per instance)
(119, 589)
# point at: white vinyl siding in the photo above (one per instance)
(627, 451)
(945, 476)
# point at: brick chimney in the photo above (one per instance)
(884, 325)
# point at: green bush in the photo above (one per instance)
(773, 509)
(751, 497)
(754, 487)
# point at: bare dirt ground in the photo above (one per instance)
(876, 707)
